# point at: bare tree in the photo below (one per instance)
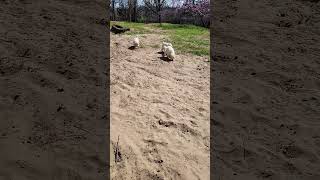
(171, 11)
(113, 2)
(155, 6)
(121, 10)
(135, 5)
(129, 12)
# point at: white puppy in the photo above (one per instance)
(136, 42)
(165, 44)
(169, 52)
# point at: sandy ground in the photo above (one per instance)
(266, 90)
(53, 55)
(159, 111)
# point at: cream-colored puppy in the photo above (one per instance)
(165, 44)
(136, 42)
(169, 52)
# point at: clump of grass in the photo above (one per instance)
(185, 38)
(188, 38)
(168, 26)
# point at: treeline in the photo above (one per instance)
(195, 12)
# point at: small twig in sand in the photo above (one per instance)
(117, 155)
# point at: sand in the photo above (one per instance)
(53, 108)
(266, 90)
(159, 112)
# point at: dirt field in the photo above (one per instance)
(160, 111)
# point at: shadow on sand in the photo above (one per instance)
(132, 48)
(165, 59)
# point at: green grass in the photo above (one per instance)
(135, 28)
(185, 38)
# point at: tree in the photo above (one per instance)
(129, 15)
(155, 6)
(113, 2)
(132, 10)
(199, 9)
(135, 6)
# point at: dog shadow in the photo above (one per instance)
(132, 48)
(166, 59)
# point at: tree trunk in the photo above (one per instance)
(135, 11)
(129, 10)
(113, 11)
(202, 21)
(159, 11)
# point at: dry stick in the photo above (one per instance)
(116, 154)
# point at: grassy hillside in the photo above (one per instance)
(185, 38)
